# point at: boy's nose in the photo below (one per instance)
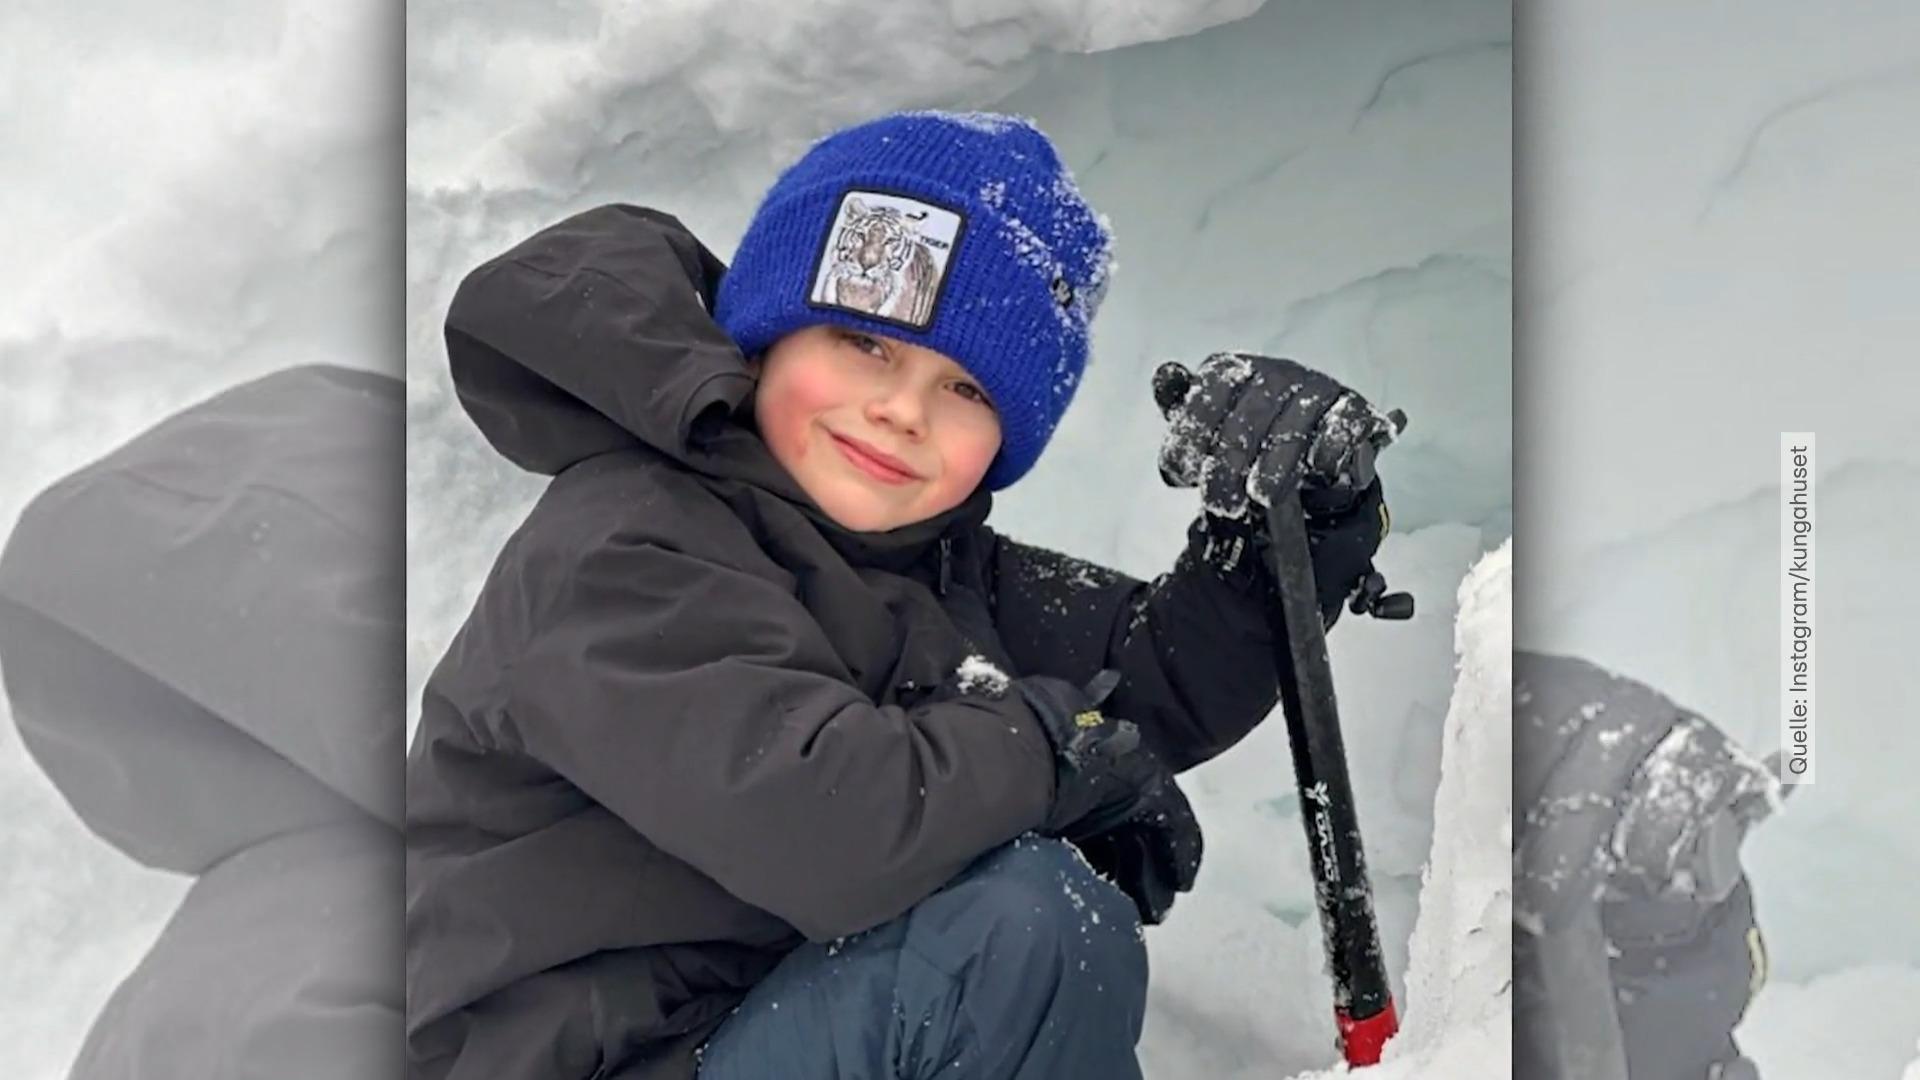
(900, 407)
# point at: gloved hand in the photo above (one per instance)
(1686, 810)
(1248, 429)
(1113, 798)
(1344, 531)
(1256, 428)
(1341, 542)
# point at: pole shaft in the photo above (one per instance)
(1343, 892)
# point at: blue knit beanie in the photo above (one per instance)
(959, 232)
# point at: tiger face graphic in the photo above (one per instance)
(881, 260)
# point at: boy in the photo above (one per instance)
(754, 710)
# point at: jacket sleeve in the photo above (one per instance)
(1194, 651)
(703, 705)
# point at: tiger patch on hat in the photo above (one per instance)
(886, 257)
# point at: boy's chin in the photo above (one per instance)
(859, 511)
(860, 515)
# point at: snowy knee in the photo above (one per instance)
(1025, 965)
(1038, 897)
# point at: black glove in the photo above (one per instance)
(1686, 811)
(1251, 427)
(1113, 798)
(1341, 543)
(1344, 530)
(1247, 427)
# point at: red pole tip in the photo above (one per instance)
(1362, 1040)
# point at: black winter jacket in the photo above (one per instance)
(690, 720)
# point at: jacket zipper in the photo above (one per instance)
(946, 564)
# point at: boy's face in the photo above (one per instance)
(879, 432)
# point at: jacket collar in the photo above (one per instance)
(731, 450)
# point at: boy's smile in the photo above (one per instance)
(881, 433)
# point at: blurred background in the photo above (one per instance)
(193, 196)
(1717, 227)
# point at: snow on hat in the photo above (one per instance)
(960, 232)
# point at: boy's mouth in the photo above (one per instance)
(881, 466)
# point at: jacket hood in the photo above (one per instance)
(201, 634)
(595, 336)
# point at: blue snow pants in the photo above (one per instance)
(1025, 966)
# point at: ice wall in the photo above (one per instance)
(1460, 976)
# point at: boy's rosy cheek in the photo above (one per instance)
(980, 467)
(791, 427)
(811, 396)
(812, 389)
(791, 408)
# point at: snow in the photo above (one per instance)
(1460, 976)
(977, 675)
(1859, 1021)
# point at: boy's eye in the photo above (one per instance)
(972, 393)
(871, 345)
(864, 343)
